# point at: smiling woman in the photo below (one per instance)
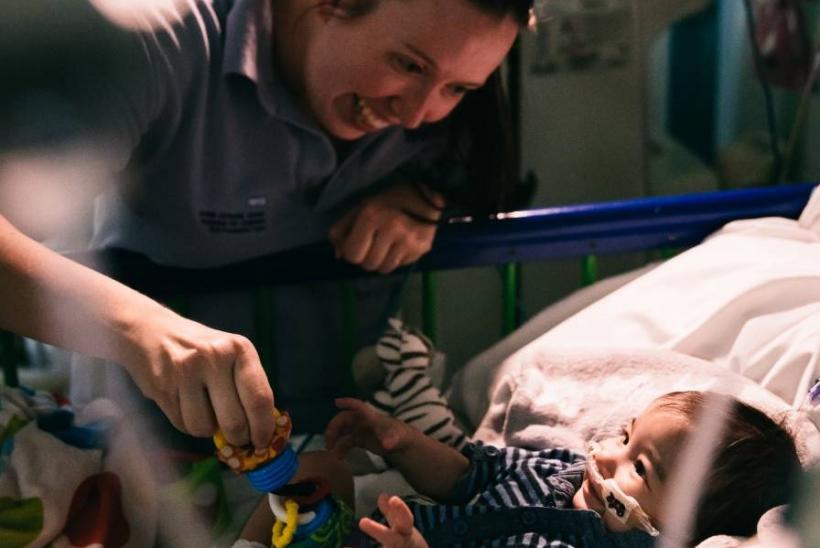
(388, 72)
(242, 128)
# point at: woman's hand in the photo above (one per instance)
(201, 378)
(390, 229)
(400, 532)
(360, 425)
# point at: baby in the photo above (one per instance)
(613, 496)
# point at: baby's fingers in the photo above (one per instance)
(342, 447)
(376, 530)
(398, 514)
(340, 425)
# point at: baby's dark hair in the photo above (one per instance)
(752, 471)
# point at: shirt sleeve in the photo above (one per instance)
(486, 461)
(489, 465)
(75, 74)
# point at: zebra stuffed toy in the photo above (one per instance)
(408, 393)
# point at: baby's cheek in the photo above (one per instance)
(578, 501)
(612, 524)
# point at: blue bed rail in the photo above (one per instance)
(523, 236)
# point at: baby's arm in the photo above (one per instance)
(431, 467)
(399, 531)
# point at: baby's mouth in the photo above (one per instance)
(367, 117)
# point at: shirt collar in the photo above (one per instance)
(249, 53)
(248, 35)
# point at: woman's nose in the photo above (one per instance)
(413, 109)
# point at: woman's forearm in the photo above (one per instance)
(55, 300)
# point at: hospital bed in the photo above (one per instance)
(583, 231)
(554, 346)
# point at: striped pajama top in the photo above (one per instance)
(517, 497)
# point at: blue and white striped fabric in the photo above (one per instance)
(517, 497)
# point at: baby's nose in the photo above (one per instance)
(607, 462)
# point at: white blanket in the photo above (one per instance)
(541, 397)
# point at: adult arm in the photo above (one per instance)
(201, 378)
(431, 467)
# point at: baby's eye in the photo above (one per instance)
(640, 469)
(625, 435)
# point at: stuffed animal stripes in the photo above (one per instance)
(408, 393)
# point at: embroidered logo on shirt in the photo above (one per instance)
(233, 222)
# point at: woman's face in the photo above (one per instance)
(407, 62)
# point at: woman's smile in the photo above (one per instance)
(367, 118)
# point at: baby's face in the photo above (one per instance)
(639, 461)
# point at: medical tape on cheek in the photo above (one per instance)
(617, 503)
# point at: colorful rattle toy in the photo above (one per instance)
(306, 514)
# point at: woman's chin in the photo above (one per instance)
(339, 120)
(345, 132)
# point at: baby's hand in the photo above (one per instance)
(360, 425)
(400, 532)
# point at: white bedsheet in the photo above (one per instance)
(747, 299)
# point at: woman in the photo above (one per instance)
(251, 126)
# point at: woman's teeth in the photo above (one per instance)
(366, 115)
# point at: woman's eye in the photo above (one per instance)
(459, 90)
(640, 469)
(408, 65)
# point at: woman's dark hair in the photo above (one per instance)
(753, 470)
(491, 159)
(519, 9)
(483, 155)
